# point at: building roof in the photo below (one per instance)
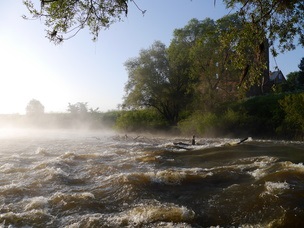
(276, 76)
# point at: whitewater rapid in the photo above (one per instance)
(97, 179)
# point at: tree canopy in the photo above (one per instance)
(278, 20)
(301, 73)
(210, 60)
(277, 25)
(260, 25)
(65, 18)
(296, 78)
(156, 82)
(245, 37)
(193, 73)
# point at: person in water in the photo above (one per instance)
(193, 140)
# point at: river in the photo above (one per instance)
(98, 179)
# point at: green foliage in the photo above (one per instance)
(228, 123)
(259, 117)
(265, 114)
(140, 120)
(171, 79)
(204, 124)
(293, 106)
(295, 80)
(292, 83)
(61, 17)
(207, 64)
(301, 73)
(301, 65)
(148, 77)
(275, 23)
(233, 122)
(154, 82)
(109, 118)
(262, 106)
(283, 21)
(211, 61)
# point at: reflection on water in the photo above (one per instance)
(94, 179)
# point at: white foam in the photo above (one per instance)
(274, 188)
(167, 177)
(264, 165)
(261, 164)
(175, 177)
(258, 173)
(39, 202)
(86, 195)
(11, 186)
(41, 151)
(56, 171)
(83, 195)
(32, 215)
(145, 214)
(297, 167)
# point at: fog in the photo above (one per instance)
(54, 125)
(89, 121)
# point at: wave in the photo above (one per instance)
(176, 177)
(275, 188)
(32, 218)
(150, 214)
(90, 182)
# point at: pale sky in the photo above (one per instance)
(80, 70)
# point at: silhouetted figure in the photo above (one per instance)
(193, 140)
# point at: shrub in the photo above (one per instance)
(140, 120)
(293, 106)
(203, 124)
(233, 122)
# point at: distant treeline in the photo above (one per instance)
(272, 116)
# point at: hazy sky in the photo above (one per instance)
(80, 70)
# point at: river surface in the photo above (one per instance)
(94, 179)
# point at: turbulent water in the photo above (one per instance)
(105, 180)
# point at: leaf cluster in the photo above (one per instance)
(65, 18)
(278, 20)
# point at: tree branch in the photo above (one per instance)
(142, 11)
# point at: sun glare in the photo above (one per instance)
(24, 77)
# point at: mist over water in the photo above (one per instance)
(100, 179)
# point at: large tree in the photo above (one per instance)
(210, 63)
(155, 82)
(34, 108)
